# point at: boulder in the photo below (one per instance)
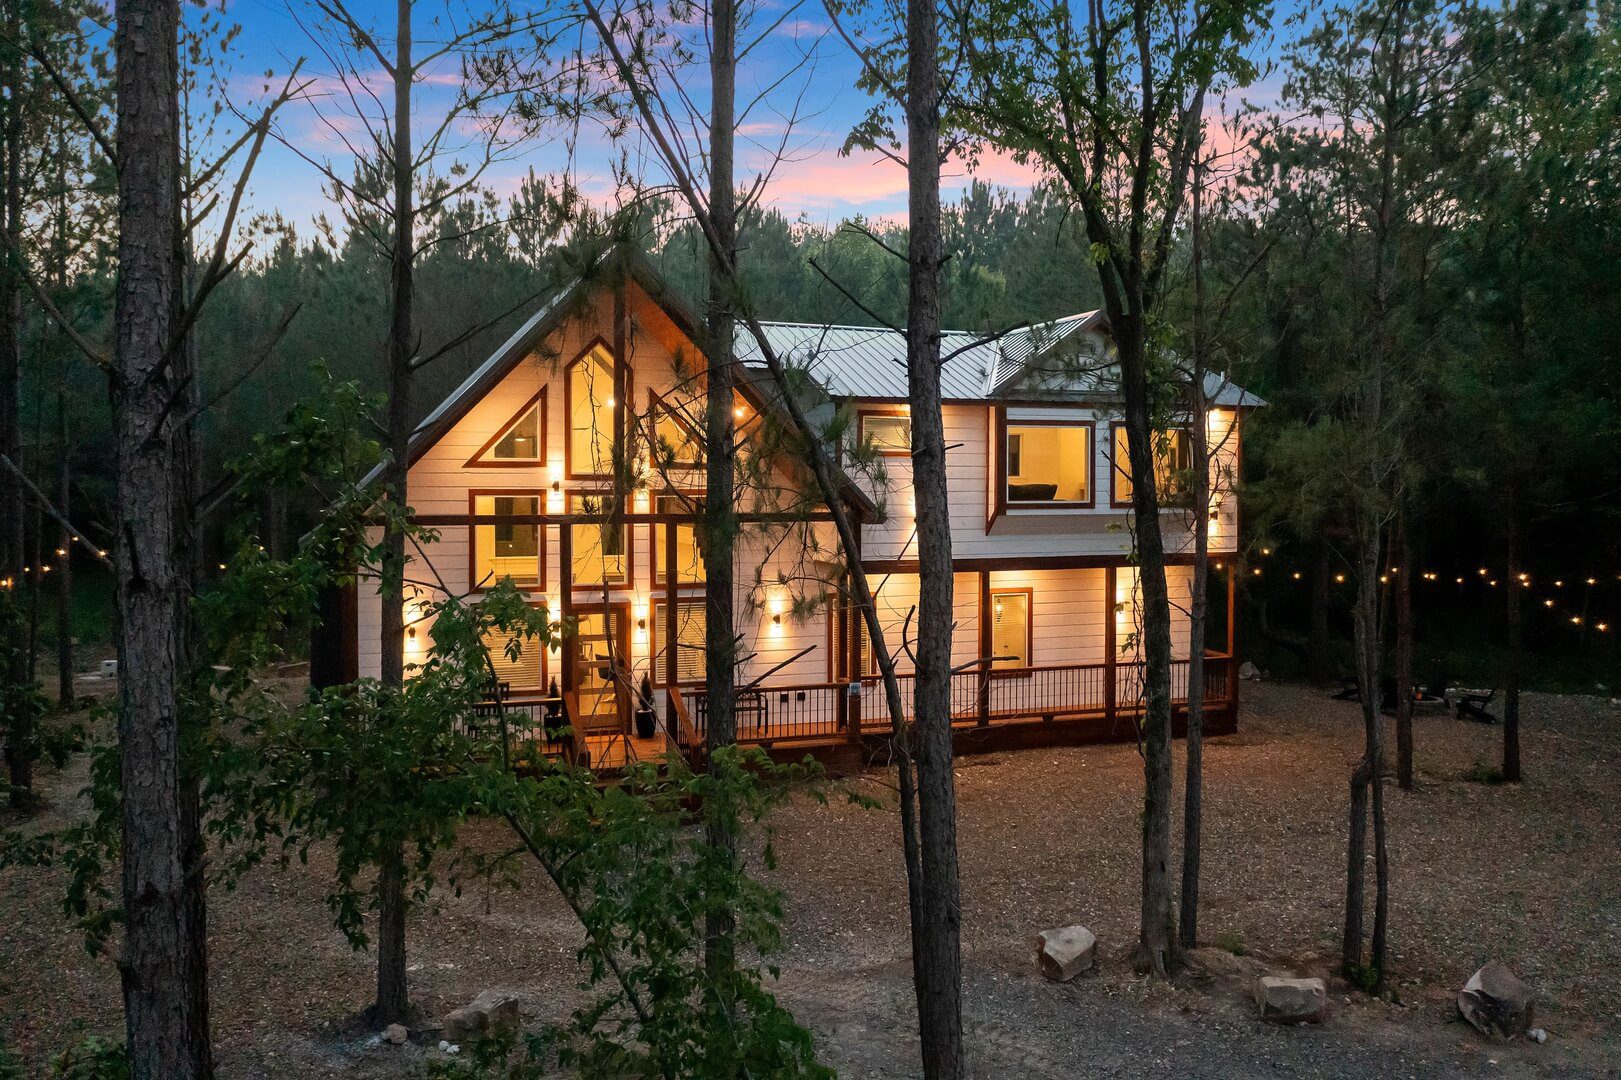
(1210, 964)
(1066, 952)
(1249, 671)
(1496, 1002)
(1291, 1001)
(491, 1012)
(396, 1034)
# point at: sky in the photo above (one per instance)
(800, 66)
(797, 67)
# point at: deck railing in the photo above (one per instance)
(810, 711)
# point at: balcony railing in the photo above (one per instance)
(821, 711)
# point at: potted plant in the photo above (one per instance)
(553, 721)
(646, 720)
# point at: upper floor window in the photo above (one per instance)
(601, 550)
(689, 562)
(1173, 465)
(506, 550)
(1048, 463)
(675, 431)
(890, 433)
(518, 443)
(591, 408)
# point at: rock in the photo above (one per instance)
(1066, 952)
(1291, 1001)
(1537, 1035)
(491, 1012)
(1249, 671)
(396, 1034)
(1221, 966)
(1496, 1002)
(109, 669)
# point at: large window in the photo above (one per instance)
(1173, 465)
(601, 551)
(689, 562)
(1010, 628)
(1048, 463)
(523, 671)
(890, 433)
(504, 550)
(689, 641)
(676, 426)
(518, 443)
(591, 407)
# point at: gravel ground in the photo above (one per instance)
(1530, 875)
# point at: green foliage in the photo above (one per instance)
(92, 1058)
(636, 863)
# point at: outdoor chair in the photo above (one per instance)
(1471, 704)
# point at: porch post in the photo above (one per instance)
(985, 646)
(671, 661)
(852, 640)
(1110, 648)
(1232, 639)
(565, 594)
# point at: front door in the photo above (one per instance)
(600, 654)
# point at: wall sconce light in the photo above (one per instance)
(411, 632)
(776, 618)
(555, 474)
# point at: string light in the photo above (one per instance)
(1592, 581)
(1340, 578)
(1297, 575)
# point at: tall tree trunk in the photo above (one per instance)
(1366, 633)
(1318, 660)
(936, 958)
(1156, 946)
(1513, 668)
(1403, 565)
(720, 512)
(15, 705)
(1198, 605)
(164, 964)
(392, 1002)
(64, 579)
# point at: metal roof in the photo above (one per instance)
(870, 362)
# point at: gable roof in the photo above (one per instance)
(864, 362)
(524, 340)
(869, 362)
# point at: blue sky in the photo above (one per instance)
(814, 180)
(802, 66)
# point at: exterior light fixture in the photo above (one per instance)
(737, 412)
(1340, 578)
(1297, 575)
(1547, 603)
(1592, 581)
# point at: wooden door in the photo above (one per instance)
(600, 654)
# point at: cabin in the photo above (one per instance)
(571, 463)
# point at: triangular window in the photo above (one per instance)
(520, 441)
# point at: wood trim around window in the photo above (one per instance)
(473, 495)
(1029, 594)
(597, 342)
(883, 410)
(1176, 502)
(479, 461)
(1003, 506)
(655, 402)
(653, 554)
(654, 624)
(630, 543)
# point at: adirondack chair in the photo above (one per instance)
(1472, 704)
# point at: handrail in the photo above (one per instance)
(686, 733)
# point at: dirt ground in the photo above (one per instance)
(1530, 875)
